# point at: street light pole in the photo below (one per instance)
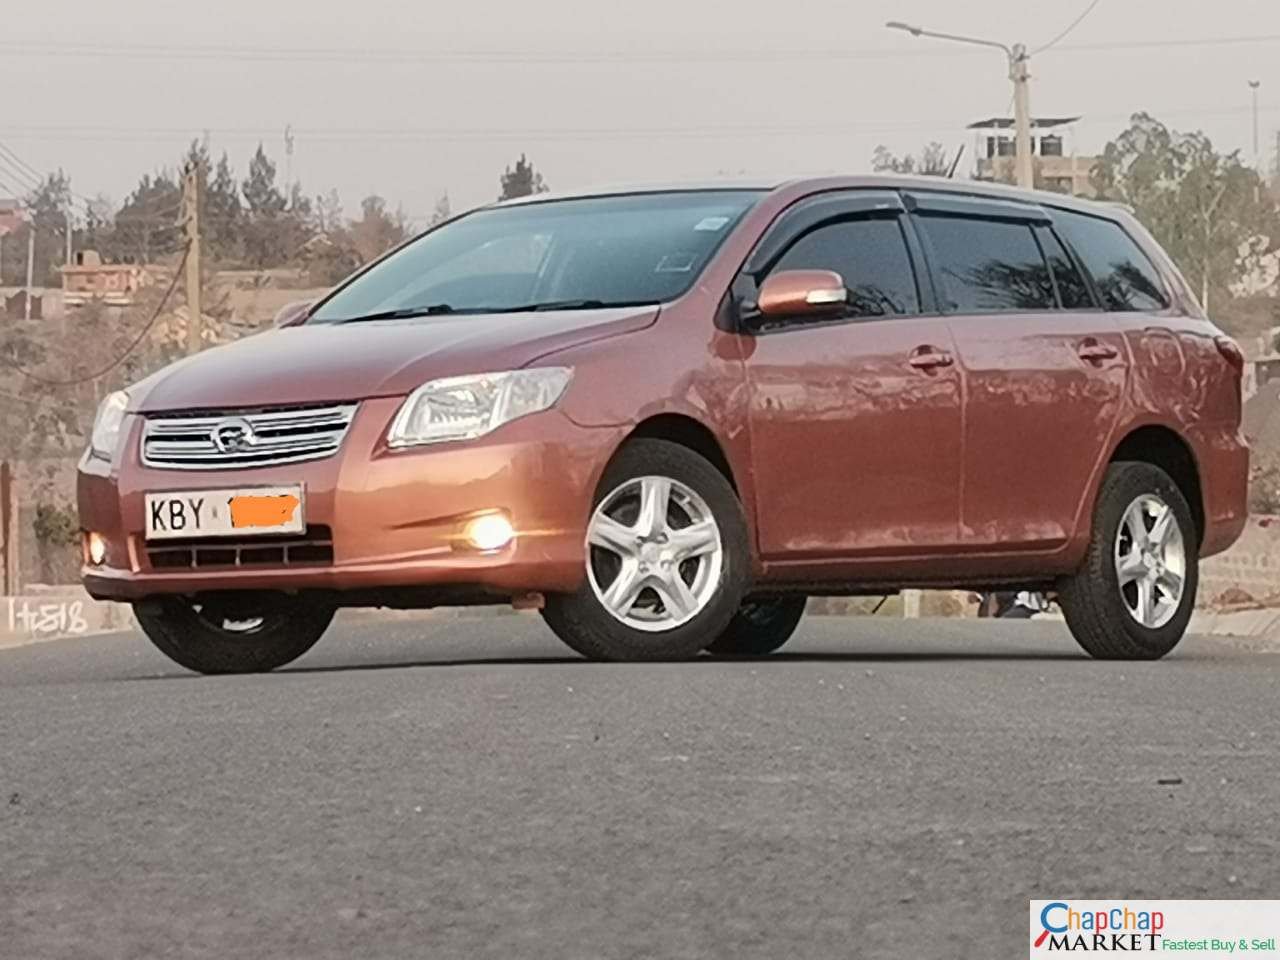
(1019, 74)
(1257, 157)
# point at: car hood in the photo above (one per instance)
(316, 363)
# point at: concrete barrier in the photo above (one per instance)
(1249, 571)
(50, 613)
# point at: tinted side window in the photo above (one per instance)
(1125, 277)
(985, 266)
(1071, 286)
(871, 255)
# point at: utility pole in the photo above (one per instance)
(1257, 157)
(191, 220)
(288, 159)
(31, 266)
(67, 216)
(1020, 75)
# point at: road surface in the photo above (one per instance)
(468, 788)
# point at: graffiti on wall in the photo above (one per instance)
(42, 618)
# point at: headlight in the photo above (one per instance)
(459, 408)
(106, 425)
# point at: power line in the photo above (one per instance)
(9, 188)
(21, 164)
(146, 329)
(506, 134)
(17, 174)
(40, 178)
(1071, 26)
(400, 56)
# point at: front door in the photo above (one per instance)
(855, 421)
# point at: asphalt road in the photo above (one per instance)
(466, 788)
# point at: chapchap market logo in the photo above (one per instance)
(1111, 928)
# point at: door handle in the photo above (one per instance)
(1095, 352)
(927, 358)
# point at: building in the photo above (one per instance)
(1057, 165)
(89, 279)
(11, 215)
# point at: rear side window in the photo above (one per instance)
(871, 255)
(987, 266)
(1123, 274)
(1072, 290)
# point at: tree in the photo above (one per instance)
(328, 212)
(1207, 209)
(521, 181)
(377, 231)
(47, 209)
(266, 232)
(223, 214)
(146, 225)
(442, 212)
(932, 161)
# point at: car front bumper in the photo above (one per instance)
(395, 517)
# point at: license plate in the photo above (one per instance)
(251, 511)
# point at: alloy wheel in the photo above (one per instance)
(654, 553)
(1151, 561)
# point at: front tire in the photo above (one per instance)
(667, 559)
(759, 628)
(1133, 596)
(233, 633)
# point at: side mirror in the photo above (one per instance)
(292, 314)
(802, 293)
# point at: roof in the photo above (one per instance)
(1005, 123)
(800, 186)
(649, 186)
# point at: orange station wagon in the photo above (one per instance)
(666, 417)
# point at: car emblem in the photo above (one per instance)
(233, 436)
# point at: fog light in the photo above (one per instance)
(493, 531)
(96, 548)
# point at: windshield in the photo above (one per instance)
(560, 254)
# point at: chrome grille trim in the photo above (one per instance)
(186, 442)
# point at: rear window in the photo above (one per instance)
(1071, 286)
(987, 266)
(1124, 276)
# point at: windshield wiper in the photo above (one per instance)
(582, 304)
(403, 313)
(443, 309)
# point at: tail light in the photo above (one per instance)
(1231, 352)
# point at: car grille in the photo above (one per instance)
(258, 438)
(312, 549)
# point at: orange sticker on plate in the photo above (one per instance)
(273, 511)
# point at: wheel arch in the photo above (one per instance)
(1165, 448)
(688, 432)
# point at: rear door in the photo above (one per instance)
(1044, 368)
(854, 420)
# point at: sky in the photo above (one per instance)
(415, 99)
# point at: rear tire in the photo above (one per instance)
(233, 633)
(1132, 597)
(759, 628)
(661, 512)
